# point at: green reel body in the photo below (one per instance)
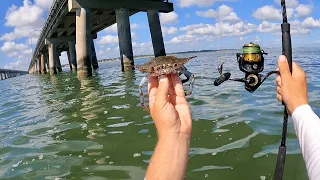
(251, 61)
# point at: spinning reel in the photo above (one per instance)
(251, 62)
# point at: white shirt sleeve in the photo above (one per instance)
(307, 127)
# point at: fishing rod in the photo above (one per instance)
(287, 51)
(251, 62)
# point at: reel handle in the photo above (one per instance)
(224, 77)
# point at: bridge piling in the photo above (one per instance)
(58, 62)
(47, 62)
(81, 20)
(72, 55)
(94, 59)
(43, 66)
(83, 41)
(52, 56)
(156, 33)
(39, 64)
(125, 41)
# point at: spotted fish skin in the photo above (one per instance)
(163, 65)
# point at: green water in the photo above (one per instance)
(62, 128)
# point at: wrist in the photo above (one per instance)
(297, 105)
(174, 138)
(301, 106)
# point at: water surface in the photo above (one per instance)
(60, 127)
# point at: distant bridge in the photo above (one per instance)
(71, 22)
(7, 73)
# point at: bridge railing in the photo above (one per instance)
(45, 30)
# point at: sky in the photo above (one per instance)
(194, 25)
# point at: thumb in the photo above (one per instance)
(163, 91)
(284, 68)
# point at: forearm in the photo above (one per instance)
(307, 126)
(170, 159)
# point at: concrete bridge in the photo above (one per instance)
(7, 73)
(72, 25)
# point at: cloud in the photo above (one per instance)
(14, 65)
(303, 10)
(311, 23)
(297, 28)
(289, 4)
(24, 19)
(224, 13)
(143, 48)
(199, 3)
(11, 49)
(108, 39)
(111, 29)
(223, 29)
(270, 13)
(267, 27)
(44, 3)
(185, 38)
(210, 13)
(114, 28)
(169, 30)
(208, 32)
(169, 18)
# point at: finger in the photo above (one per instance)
(171, 87)
(279, 98)
(177, 84)
(284, 68)
(163, 91)
(152, 89)
(279, 90)
(297, 72)
(278, 81)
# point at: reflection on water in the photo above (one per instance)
(94, 128)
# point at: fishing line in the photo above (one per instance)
(261, 28)
(220, 30)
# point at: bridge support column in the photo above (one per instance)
(6, 75)
(83, 40)
(72, 55)
(47, 62)
(43, 65)
(35, 67)
(125, 42)
(39, 65)
(156, 33)
(94, 59)
(58, 62)
(1, 78)
(52, 56)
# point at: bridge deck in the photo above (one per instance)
(62, 22)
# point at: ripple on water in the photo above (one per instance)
(94, 128)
